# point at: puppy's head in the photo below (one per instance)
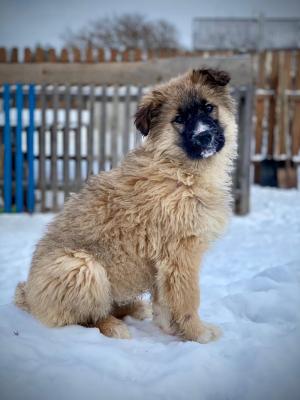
(192, 115)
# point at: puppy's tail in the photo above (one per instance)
(20, 296)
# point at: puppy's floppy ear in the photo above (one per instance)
(147, 111)
(214, 77)
(143, 118)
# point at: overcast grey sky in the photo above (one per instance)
(28, 22)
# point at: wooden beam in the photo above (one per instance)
(133, 73)
(243, 163)
(260, 103)
(3, 55)
(296, 114)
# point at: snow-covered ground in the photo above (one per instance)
(250, 288)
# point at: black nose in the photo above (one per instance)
(204, 138)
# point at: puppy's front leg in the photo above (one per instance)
(177, 298)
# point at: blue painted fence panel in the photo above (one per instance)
(7, 151)
(18, 177)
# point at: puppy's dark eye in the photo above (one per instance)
(209, 107)
(178, 119)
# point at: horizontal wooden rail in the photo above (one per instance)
(135, 73)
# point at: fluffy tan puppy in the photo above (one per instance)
(144, 226)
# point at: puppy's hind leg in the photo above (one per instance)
(137, 309)
(67, 287)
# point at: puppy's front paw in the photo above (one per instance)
(162, 318)
(208, 333)
(142, 310)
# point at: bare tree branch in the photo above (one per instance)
(124, 32)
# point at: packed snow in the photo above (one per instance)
(250, 288)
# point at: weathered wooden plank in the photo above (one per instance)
(244, 151)
(64, 58)
(259, 112)
(100, 55)
(102, 138)
(52, 56)
(27, 55)
(138, 136)
(30, 151)
(163, 53)
(260, 101)
(90, 133)
(54, 150)
(126, 124)
(113, 55)
(126, 56)
(272, 119)
(14, 56)
(150, 54)
(66, 158)
(138, 55)
(283, 112)
(78, 138)
(76, 55)
(296, 114)
(3, 55)
(18, 150)
(42, 159)
(39, 55)
(89, 56)
(133, 73)
(114, 127)
(235, 176)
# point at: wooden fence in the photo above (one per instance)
(82, 122)
(277, 113)
(276, 134)
(79, 130)
(91, 55)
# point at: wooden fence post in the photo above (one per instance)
(243, 163)
(3, 55)
(296, 117)
(14, 56)
(19, 154)
(30, 150)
